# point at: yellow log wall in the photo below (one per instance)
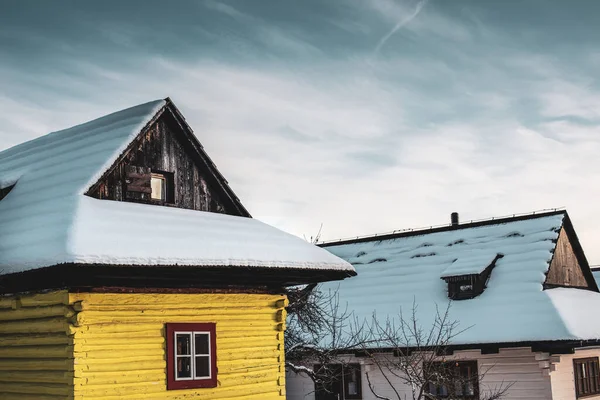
(36, 346)
(119, 344)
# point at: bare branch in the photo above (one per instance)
(321, 330)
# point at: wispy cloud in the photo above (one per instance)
(309, 127)
(400, 24)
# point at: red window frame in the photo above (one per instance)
(193, 383)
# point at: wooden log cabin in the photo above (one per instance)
(520, 289)
(130, 269)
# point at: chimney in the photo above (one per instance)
(454, 219)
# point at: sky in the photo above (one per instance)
(363, 116)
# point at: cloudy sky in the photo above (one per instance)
(363, 115)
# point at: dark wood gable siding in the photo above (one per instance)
(565, 269)
(163, 147)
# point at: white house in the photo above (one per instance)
(520, 285)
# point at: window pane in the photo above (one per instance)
(586, 376)
(352, 381)
(183, 341)
(352, 384)
(454, 379)
(470, 389)
(184, 367)
(442, 390)
(201, 343)
(158, 187)
(202, 366)
(458, 388)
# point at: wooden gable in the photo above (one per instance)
(168, 148)
(568, 268)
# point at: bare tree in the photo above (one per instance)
(318, 331)
(415, 357)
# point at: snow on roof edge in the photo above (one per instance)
(63, 225)
(160, 104)
(421, 231)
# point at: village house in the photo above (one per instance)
(520, 287)
(130, 269)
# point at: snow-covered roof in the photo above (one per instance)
(396, 273)
(46, 219)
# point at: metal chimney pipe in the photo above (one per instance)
(454, 219)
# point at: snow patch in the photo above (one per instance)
(472, 263)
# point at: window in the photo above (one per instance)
(191, 356)
(467, 280)
(455, 379)
(352, 381)
(586, 376)
(463, 287)
(162, 186)
(345, 383)
(158, 182)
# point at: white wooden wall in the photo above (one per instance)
(563, 378)
(529, 373)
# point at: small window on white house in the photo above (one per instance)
(344, 382)
(587, 376)
(158, 182)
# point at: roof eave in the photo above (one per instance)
(86, 276)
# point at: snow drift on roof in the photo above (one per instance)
(185, 237)
(513, 308)
(46, 219)
(472, 263)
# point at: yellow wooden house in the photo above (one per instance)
(130, 270)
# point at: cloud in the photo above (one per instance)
(400, 24)
(310, 128)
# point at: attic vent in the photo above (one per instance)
(468, 278)
(360, 254)
(377, 260)
(424, 255)
(459, 241)
(514, 234)
(426, 244)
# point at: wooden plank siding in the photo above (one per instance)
(162, 148)
(36, 346)
(518, 366)
(565, 269)
(563, 378)
(119, 344)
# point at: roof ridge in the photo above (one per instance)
(445, 227)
